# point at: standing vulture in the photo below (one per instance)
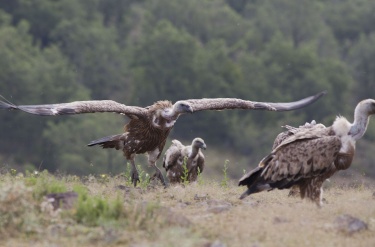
(178, 155)
(148, 128)
(309, 156)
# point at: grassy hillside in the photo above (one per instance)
(208, 213)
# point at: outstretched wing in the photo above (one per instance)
(232, 103)
(76, 107)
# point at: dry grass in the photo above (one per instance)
(200, 214)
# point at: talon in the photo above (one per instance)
(159, 176)
(135, 178)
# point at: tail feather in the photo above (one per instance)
(251, 177)
(114, 141)
(254, 182)
(255, 189)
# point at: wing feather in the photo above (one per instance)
(314, 132)
(172, 155)
(290, 164)
(302, 159)
(232, 103)
(76, 107)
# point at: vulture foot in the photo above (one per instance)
(135, 177)
(159, 176)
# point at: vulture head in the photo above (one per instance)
(370, 104)
(362, 112)
(182, 107)
(199, 143)
(173, 112)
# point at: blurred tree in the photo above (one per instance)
(348, 19)
(96, 57)
(43, 15)
(162, 64)
(69, 139)
(362, 60)
(30, 75)
(203, 19)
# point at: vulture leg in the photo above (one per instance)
(152, 157)
(294, 191)
(134, 173)
(313, 191)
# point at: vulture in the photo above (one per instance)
(149, 127)
(305, 157)
(178, 155)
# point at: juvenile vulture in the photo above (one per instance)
(178, 154)
(148, 128)
(310, 155)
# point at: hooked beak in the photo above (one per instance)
(189, 109)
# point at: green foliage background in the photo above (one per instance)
(137, 52)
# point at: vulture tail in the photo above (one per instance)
(114, 141)
(254, 182)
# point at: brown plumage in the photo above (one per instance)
(307, 156)
(149, 127)
(294, 190)
(178, 155)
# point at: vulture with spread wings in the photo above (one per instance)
(148, 128)
(305, 157)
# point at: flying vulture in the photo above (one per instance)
(148, 128)
(310, 155)
(178, 155)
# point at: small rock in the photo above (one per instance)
(218, 203)
(349, 225)
(279, 220)
(62, 200)
(251, 203)
(217, 243)
(123, 187)
(218, 209)
(201, 197)
(373, 195)
(175, 218)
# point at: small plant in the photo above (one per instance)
(127, 175)
(18, 211)
(145, 216)
(44, 183)
(200, 179)
(144, 177)
(95, 210)
(103, 178)
(185, 172)
(224, 182)
(13, 172)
